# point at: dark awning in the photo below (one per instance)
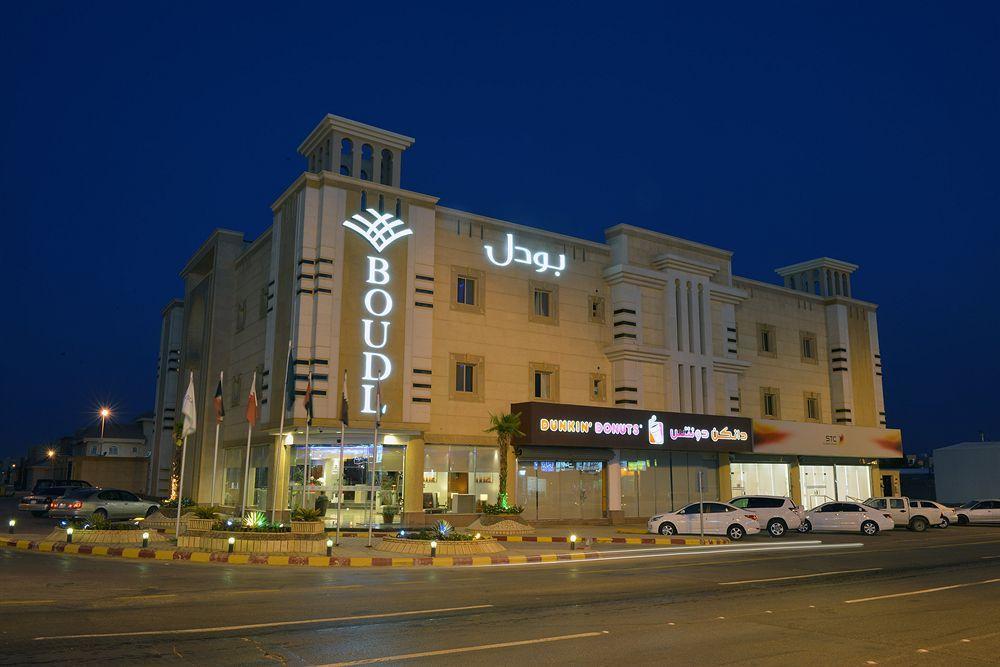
(529, 453)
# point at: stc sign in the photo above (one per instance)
(380, 230)
(584, 426)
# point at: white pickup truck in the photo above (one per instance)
(908, 512)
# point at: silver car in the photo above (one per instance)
(104, 504)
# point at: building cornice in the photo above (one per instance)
(309, 179)
(659, 237)
(633, 352)
(726, 294)
(210, 243)
(729, 365)
(823, 300)
(504, 225)
(357, 130)
(668, 260)
(819, 262)
(633, 275)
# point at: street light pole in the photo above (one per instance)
(105, 413)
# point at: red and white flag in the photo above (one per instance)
(252, 401)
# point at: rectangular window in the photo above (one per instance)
(767, 342)
(813, 413)
(597, 309)
(465, 374)
(598, 387)
(808, 341)
(465, 291)
(770, 406)
(234, 399)
(541, 302)
(543, 385)
(241, 315)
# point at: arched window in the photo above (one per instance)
(364, 200)
(366, 162)
(346, 157)
(385, 178)
(843, 284)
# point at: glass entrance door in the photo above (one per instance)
(561, 489)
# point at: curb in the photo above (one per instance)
(681, 541)
(309, 561)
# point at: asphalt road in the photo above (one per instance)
(899, 598)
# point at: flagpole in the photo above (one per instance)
(281, 426)
(246, 471)
(340, 482)
(378, 418)
(215, 462)
(305, 477)
(180, 490)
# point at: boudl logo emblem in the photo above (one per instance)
(380, 230)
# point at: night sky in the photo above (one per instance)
(868, 132)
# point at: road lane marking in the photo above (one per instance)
(798, 576)
(257, 626)
(146, 597)
(989, 557)
(922, 591)
(466, 649)
(25, 602)
(686, 552)
(710, 549)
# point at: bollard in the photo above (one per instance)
(10, 526)
(329, 547)
(232, 541)
(69, 535)
(145, 540)
(572, 542)
(434, 548)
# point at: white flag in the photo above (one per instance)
(189, 411)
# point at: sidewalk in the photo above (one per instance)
(352, 552)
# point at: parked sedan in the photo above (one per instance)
(979, 511)
(848, 517)
(948, 514)
(38, 502)
(101, 504)
(719, 519)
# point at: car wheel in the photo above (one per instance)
(963, 520)
(777, 528)
(151, 511)
(944, 523)
(805, 527)
(667, 529)
(99, 515)
(736, 532)
(919, 524)
(869, 528)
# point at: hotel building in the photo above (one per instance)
(646, 373)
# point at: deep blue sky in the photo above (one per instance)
(782, 131)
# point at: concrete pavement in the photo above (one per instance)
(900, 598)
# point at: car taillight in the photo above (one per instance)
(52, 504)
(76, 505)
(752, 517)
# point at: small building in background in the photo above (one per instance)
(967, 471)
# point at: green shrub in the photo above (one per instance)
(499, 509)
(172, 502)
(306, 514)
(206, 511)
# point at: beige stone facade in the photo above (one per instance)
(465, 315)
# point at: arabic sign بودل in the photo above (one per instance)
(584, 426)
(522, 255)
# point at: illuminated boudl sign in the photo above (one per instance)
(380, 230)
(551, 424)
(521, 255)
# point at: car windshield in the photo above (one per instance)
(81, 493)
(970, 504)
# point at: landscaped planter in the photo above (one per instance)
(86, 536)
(199, 524)
(307, 527)
(401, 545)
(501, 524)
(260, 543)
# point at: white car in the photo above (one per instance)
(719, 519)
(948, 514)
(775, 514)
(838, 516)
(979, 511)
(910, 513)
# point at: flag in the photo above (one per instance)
(290, 380)
(344, 408)
(308, 400)
(189, 411)
(220, 406)
(252, 401)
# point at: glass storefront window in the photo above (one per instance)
(821, 484)
(459, 478)
(561, 489)
(232, 474)
(854, 483)
(768, 479)
(259, 467)
(665, 481)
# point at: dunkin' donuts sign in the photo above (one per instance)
(584, 426)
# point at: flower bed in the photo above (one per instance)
(129, 536)
(411, 547)
(256, 542)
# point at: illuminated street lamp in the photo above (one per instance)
(51, 454)
(104, 412)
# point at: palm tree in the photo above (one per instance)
(507, 426)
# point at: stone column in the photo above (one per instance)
(725, 478)
(794, 482)
(413, 483)
(277, 495)
(614, 489)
